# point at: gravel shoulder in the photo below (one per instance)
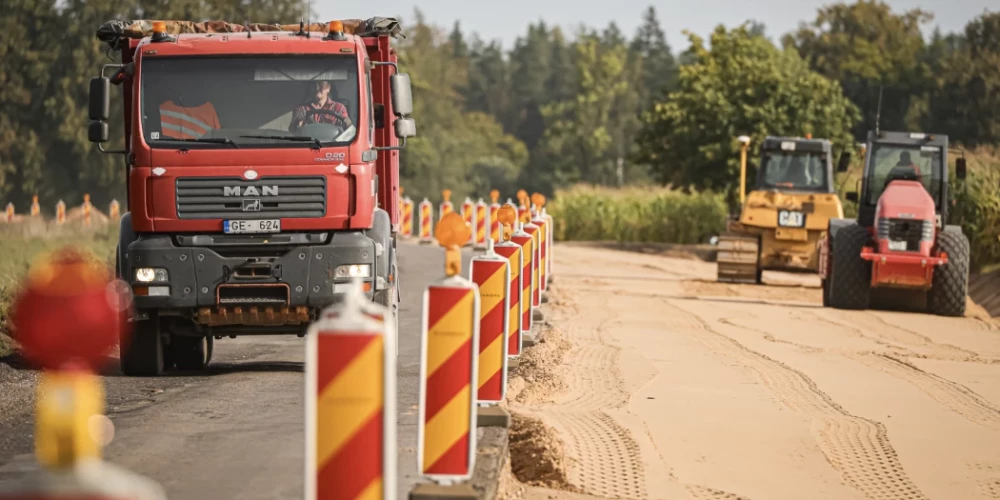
(674, 386)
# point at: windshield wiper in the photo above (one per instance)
(295, 138)
(210, 140)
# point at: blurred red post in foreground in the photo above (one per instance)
(67, 316)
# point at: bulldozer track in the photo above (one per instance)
(856, 447)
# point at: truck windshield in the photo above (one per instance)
(793, 170)
(254, 102)
(897, 160)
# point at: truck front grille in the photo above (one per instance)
(265, 198)
(908, 230)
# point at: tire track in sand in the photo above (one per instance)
(856, 447)
(954, 396)
(606, 458)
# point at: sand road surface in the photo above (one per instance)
(673, 386)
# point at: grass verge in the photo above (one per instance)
(22, 243)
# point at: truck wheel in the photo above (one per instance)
(951, 281)
(850, 275)
(190, 353)
(142, 352)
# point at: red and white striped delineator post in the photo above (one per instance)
(351, 402)
(491, 273)
(449, 347)
(426, 212)
(482, 233)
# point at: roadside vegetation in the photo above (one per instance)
(21, 244)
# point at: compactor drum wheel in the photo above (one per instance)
(738, 258)
(951, 281)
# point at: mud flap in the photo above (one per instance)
(738, 258)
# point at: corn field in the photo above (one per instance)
(644, 215)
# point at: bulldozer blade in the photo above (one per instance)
(737, 258)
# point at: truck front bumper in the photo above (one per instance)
(253, 281)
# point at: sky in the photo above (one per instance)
(505, 20)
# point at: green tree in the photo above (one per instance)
(579, 135)
(865, 45)
(743, 84)
(467, 152)
(966, 103)
(654, 57)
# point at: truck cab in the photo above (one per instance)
(262, 176)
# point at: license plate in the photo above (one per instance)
(791, 218)
(251, 226)
(897, 245)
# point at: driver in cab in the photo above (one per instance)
(320, 108)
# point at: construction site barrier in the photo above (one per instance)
(351, 401)
(491, 273)
(482, 224)
(446, 206)
(446, 436)
(426, 209)
(512, 251)
(495, 226)
(407, 223)
(114, 210)
(469, 214)
(536, 261)
(527, 277)
(60, 212)
(36, 209)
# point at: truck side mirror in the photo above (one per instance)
(97, 131)
(402, 95)
(845, 162)
(100, 98)
(852, 196)
(960, 168)
(405, 128)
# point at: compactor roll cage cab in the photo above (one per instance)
(901, 243)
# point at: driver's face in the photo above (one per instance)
(321, 92)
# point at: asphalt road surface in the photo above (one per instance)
(235, 431)
(676, 386)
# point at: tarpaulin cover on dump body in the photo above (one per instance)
(112, 32)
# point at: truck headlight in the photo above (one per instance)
(354, 271)
(151, 274)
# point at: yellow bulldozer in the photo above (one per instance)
(785, 216)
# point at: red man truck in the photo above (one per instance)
(263, 176)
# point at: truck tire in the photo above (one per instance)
(190, 353)
(850, 275)
(951, 281)
(141, 353)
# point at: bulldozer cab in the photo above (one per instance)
(795, 164)
(915, 156)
